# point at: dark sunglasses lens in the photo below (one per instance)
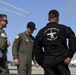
(5, 21)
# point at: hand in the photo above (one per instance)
(67, 60)
(8, 43)
(16, 61)
(37, 65)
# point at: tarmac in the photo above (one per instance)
(37, 71)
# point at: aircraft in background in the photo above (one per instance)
(73, 62)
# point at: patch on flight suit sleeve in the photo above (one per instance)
(17, 37)
(3, 34)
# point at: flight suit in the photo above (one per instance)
(22, 49)
(3, 48)
(51, 48)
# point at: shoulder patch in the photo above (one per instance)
(17, 37)
(3, 34)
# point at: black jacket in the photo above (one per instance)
(51, 45)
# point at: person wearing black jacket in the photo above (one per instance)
(52, 51)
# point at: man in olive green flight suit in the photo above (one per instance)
(22, 50)
(4, 43)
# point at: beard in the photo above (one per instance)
(4, 26)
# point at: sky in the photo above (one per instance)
(38, 13)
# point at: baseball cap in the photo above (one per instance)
(31, 26)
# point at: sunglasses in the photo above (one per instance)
(5, 21)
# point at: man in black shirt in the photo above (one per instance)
(53, 39)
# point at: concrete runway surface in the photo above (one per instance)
(37, 71)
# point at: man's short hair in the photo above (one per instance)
(53, 14)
